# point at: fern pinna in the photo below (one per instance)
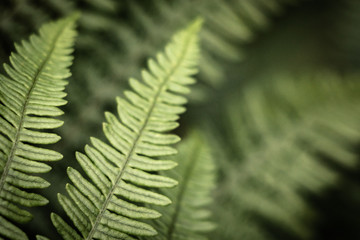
(29, 98)
(123, 171)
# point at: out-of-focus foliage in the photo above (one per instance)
(278, 134)
(248, 47)
(189, 215)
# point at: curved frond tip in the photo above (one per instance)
(123, 172)
(29, 99)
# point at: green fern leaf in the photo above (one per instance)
(106, 208)
(187, 217)
(29, 98)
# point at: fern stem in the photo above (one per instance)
(23, 110)
(133, 147)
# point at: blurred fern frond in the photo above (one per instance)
(124, 172)
(29, 99)
(279, 133)
(188, 216)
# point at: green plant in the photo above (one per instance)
(29, 99)
(137, 139)
(122, 172)
(279, 142)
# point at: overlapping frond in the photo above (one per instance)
(29, 100)
(278, 134)
(188, 216)
(123, 172)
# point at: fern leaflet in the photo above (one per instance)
(29, 98)
(120, 172)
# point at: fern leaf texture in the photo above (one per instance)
(123, 173)
(29, 100)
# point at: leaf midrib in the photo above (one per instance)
(24, 108)
(133, 147)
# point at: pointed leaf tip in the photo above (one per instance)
(196, 24)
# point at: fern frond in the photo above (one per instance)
(122, 172)
(188, 216)
(29, 99)
(278, 133)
